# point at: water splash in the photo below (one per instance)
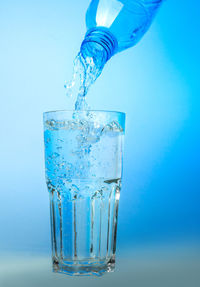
(83, 137)
(77, 86)
(85, 72)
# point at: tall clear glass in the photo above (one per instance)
(83, 160)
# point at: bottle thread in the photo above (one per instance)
(101, 36)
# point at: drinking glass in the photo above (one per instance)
(83, 167)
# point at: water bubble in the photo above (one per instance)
(60, 140)
(55, 155)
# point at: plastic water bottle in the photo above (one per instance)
(115, 25)
(112, 26)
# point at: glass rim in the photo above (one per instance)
(83, 111)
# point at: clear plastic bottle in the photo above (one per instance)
(115, 25)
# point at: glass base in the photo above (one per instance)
(77, 268)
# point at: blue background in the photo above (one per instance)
(156, 83)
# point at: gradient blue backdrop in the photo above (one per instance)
(156, 83)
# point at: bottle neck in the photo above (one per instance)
(99, 42)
